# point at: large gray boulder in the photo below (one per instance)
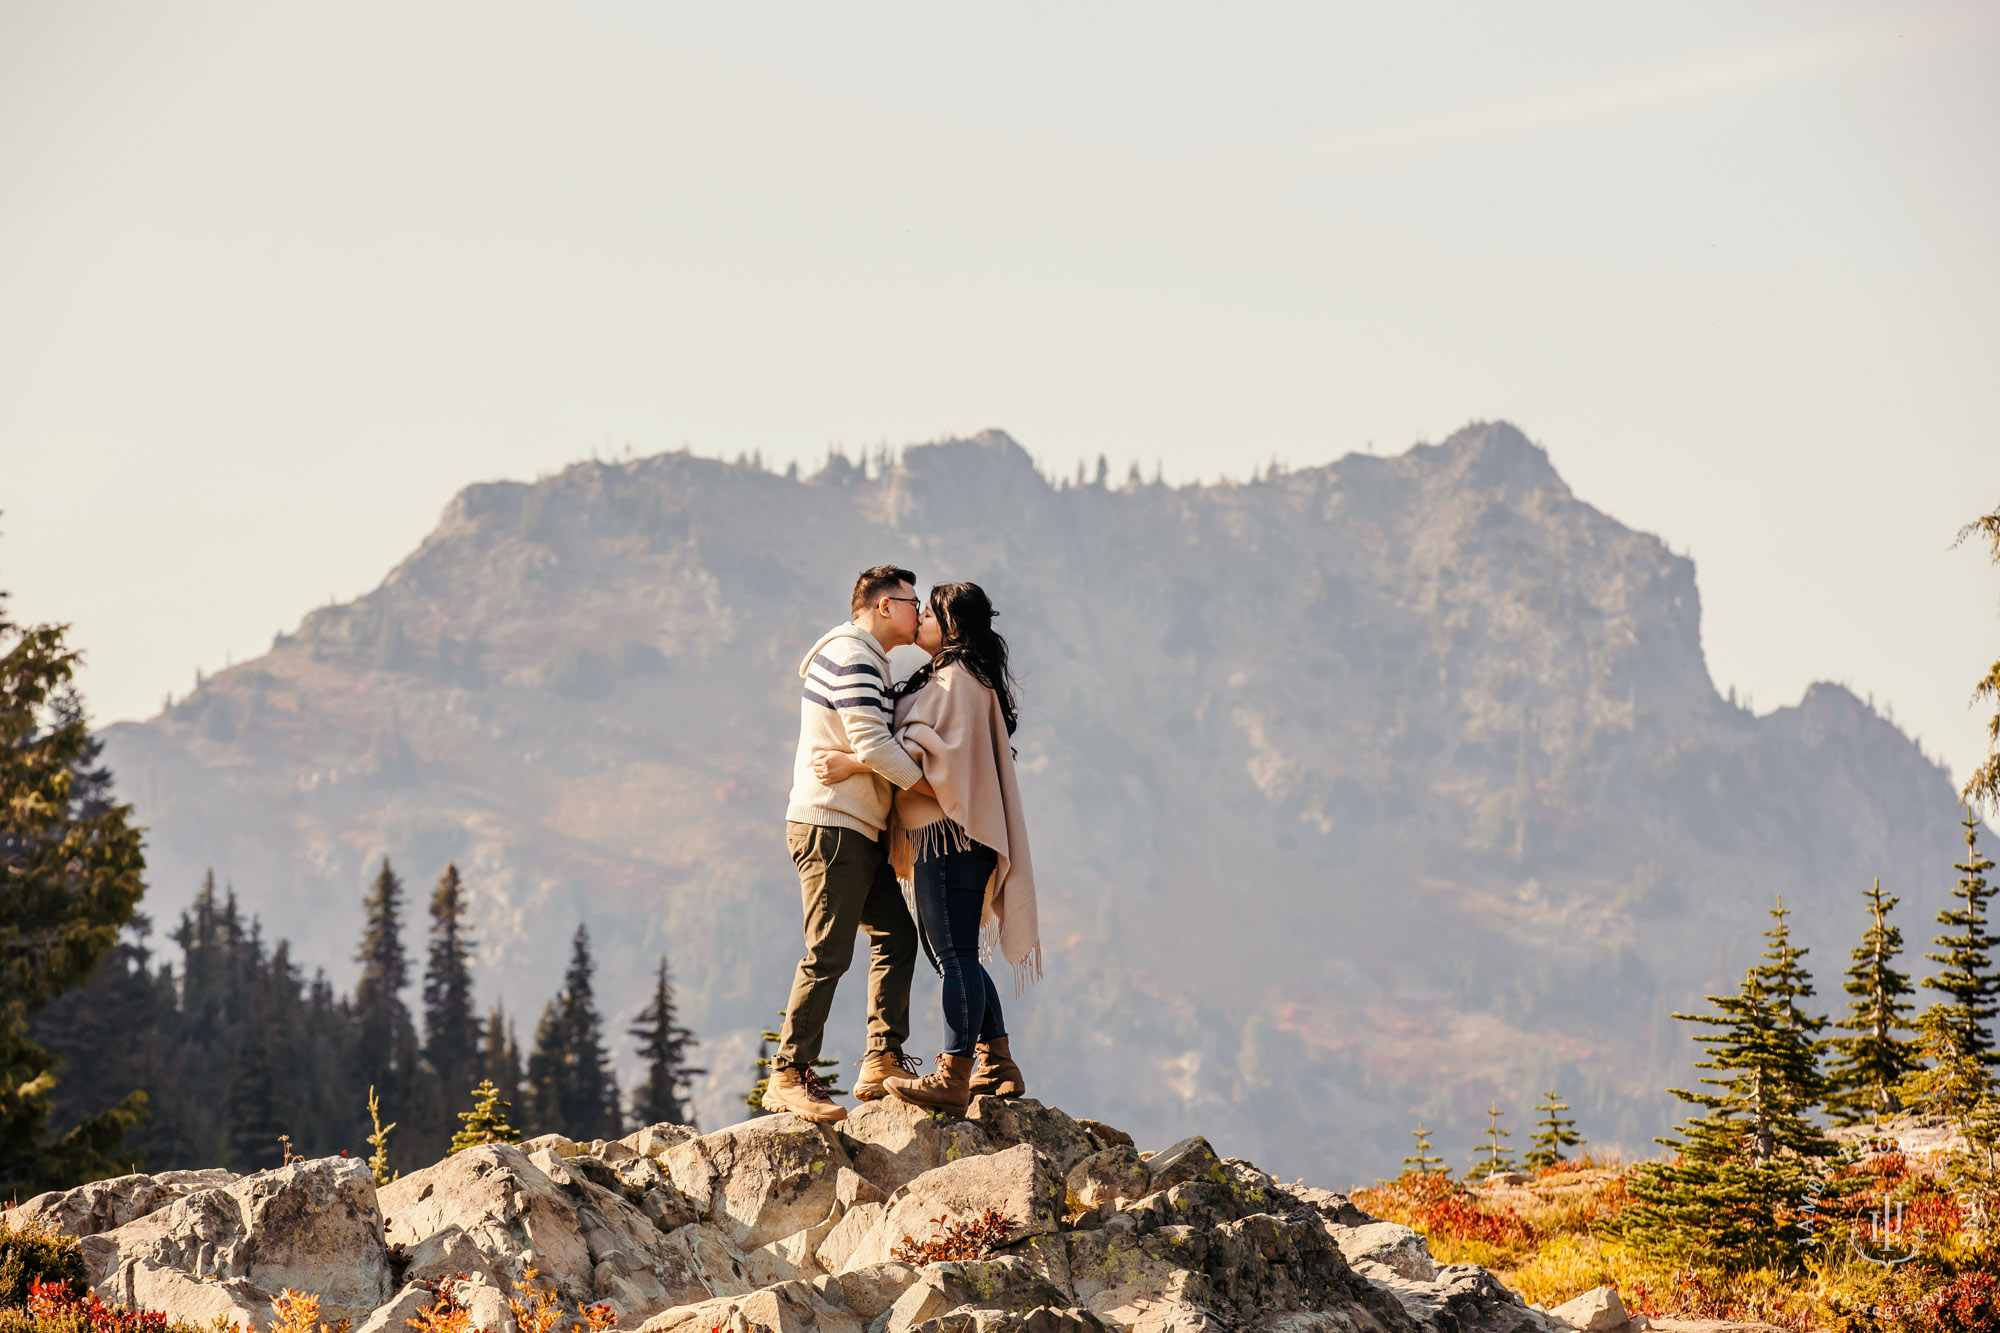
(1011, 1120)
(1396, 1248)
(892, 1142)
(106, 1205)
(761, 1180)
(493, 1212)
(1022, 1183)
(312, 1226)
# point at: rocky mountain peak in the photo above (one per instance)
(1360, 792)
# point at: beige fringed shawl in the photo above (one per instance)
(954, 728)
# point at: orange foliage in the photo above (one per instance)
(963, 1240)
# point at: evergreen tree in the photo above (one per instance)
(1424, 1160)
(486, 1122)
(255, 1106)
(1736, 1191)
(1968, 979)
(1870, 1065)
(569, 1074)
(386, 1036)
(663, 1094)
(109, 1037)
(451, 1025)
(1553, 1133)
(451, 1028)
(500, 1056)
(1496, 1156)
(70, 880)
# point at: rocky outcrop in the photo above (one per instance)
(105, 1205)
(788, 1227)
(226, 1250)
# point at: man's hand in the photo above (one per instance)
(831, 766)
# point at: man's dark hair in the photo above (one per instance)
(876, 581)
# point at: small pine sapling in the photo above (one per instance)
(486, 1122)
(1497, 1156)
(1424, 1161)
(378, 1163)
(1552, 1133)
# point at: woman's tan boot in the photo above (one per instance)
(949, 1088)
(998, 1075)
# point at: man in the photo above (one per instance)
(838, 837)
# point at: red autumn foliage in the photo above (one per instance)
(964, 1240)
(54, 1305)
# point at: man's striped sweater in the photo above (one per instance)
(847, 706)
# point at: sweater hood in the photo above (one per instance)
(848, 631)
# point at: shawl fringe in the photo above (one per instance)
(939, 838)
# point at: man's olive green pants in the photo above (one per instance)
(846, 884)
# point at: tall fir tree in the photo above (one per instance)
(111, 1037)
(569, 1073)
(386, 1037)
(71, 871)
(500, 1056)
(1967, 977)
(1736, 1191)
(662, 1095)
(1869, 1065)
(451, 1025)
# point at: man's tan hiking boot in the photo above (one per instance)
(998, 1075)
(947, 1089)
(803, 1093)
(878, 1065)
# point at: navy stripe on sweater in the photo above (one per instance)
(833, 668)
(854, 701)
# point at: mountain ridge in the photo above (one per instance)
(1374, 788)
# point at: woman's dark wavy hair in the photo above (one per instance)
(966, 615)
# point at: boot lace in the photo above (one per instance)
(814, 1085)
(910, 1063)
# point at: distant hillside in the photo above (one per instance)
(1360, 792)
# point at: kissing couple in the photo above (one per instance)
(912, 782)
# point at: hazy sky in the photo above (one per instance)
(277, 279)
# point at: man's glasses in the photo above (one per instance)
(913, 601)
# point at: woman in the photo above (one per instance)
(958, 837)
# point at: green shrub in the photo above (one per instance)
(31, 1253)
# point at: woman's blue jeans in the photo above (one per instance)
(950, 894)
